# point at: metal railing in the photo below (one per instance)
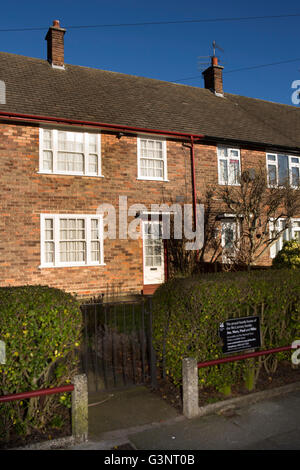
(79, 403)
(36, 393)
(240, 357)
(190, 368)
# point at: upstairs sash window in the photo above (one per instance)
(152, 159)
(283, 169)
(70, 153)
(229, 165)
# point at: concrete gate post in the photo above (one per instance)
(80, 408)
(190, 387)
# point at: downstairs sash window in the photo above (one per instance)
(71, 240)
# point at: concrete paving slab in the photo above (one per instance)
(288, 441)
(271, 416)
(124, 409)
(267, 424)
(283, 441)
(140, 419)
(214, 433)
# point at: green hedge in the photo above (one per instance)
(288, 256)
(41, 328)
(187, 313)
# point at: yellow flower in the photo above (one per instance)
(76, 344)
(16, 354)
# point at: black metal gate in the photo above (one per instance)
(117, 350)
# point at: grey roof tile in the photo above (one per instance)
(82, 93)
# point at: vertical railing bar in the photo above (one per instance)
(86, 340)
(113, 348)
(133, 345)
(123, 347)
(81, 349)
(96, 348)
(143, 342)
(91, 361)
(104, 348)
(153, 372)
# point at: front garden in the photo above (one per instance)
(42, 331)
(41, 328)
(187, 314)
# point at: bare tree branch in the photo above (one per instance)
(257, 207)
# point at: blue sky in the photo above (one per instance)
(168, 52)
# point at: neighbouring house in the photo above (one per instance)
(73, 139)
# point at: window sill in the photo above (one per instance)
(68, 174)
(153, 179)
(43, 266)
(276, 186)
(227, 184)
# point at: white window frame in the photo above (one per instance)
(295, 229)
(221, 181)
(275, 163)
(164, 149)
(56, 240)
(55, 171)
(288, 235)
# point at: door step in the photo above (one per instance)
(149, 289)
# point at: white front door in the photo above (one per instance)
(153, 249)
(228, 241)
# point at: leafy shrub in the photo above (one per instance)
(41, 327)
(288, 256)
(187, 313)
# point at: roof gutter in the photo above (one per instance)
(74, 122)
(115, 127)
(253, 144)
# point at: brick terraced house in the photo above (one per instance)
(73, 138)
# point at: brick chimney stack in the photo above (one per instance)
(213, 77)
(55, 45)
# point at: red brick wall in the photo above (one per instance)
(207, 175)
(25, 194)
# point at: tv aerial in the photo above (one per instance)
(205, 60)
(215, 46)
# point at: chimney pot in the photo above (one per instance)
(55, 45)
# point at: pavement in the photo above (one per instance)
(139, 419)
